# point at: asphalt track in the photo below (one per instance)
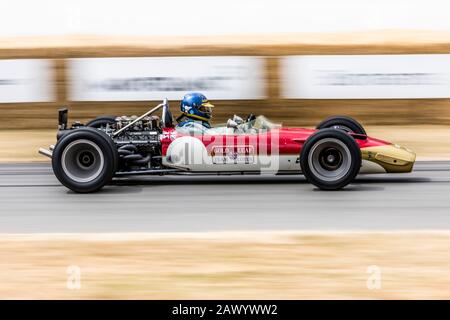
(32, 200)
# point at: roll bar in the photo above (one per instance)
(159, 106)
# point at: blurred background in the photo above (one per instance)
(384, 63)
(203, 17)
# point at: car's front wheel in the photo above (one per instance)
(342, 123)
(330, 159)
(85, 160)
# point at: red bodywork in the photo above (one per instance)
(290, 140)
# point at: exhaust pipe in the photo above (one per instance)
(46, 152)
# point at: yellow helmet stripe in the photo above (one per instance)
(195, 116)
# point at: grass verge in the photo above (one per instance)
(243, 265)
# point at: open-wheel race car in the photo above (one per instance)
(87, 157)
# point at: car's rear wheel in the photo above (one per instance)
(85, 160)
(342, 123)
(101, 121)
(330, 159)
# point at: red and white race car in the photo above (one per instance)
(87, 157)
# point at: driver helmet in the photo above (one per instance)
(196, 106)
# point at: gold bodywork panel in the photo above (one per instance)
(393, 158)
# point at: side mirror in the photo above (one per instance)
(231, 124)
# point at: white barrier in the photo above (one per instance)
(154, 78)
(406, 76)
(26, 80)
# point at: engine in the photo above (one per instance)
(139, 145)
(146, 123)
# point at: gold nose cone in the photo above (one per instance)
(393, 158)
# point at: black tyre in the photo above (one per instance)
(84, 160)
(330, 159)
(343, 123)
(101, 121)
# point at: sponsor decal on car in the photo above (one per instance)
(233, 155)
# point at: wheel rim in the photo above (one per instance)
(329, 159)
(82, 160)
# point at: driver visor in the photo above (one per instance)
(206, 107)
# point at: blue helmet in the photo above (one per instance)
(196, 106)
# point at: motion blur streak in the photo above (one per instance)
(223, 17)
(229, 265)
(34, 201)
